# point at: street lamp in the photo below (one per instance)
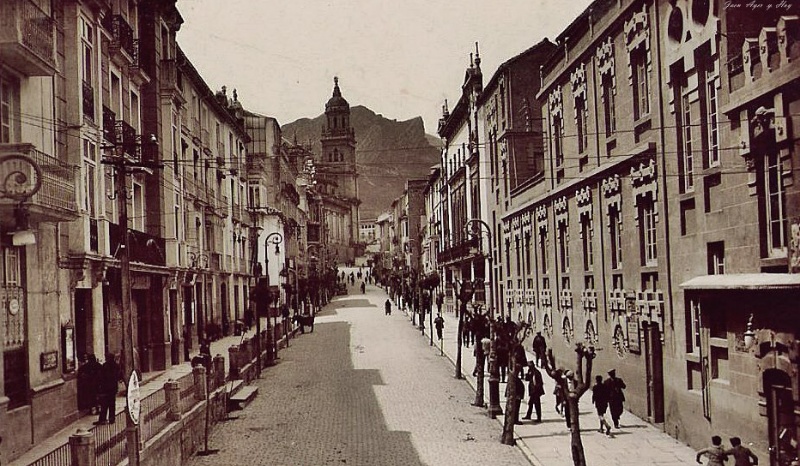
(274, 238)
(474, 227)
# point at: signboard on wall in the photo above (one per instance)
(633, 334)
(48, 361)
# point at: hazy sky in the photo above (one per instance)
(400, 58)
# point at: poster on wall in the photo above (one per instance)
(633, 334)
(68, 336)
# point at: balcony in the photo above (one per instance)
(27, 38)
(109, 121)
(144, 248)
(56, 199)
(170, 77)
(126, 137)
(458, 252)
(122, 34)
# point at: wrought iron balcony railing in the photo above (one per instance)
(88, 100)
(27, 38)
(56, 198)
(122, 33)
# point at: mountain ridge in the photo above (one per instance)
(388, 152)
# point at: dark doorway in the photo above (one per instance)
(83, 322)
(174, 328)
(781, 418)
(655, 372)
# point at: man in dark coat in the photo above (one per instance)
(387, 306)
(438, 322)
(600, 401)
(535, 391)
(107, 387)
(616, 396)
(539, 348)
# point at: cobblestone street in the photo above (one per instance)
(363, 389)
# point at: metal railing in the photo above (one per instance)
(88, 100)
(58, 181)
(153, 414)
(60, 456)
(188, 392)
(123, 35)
(111, 444)
(27, 24)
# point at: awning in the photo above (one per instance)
(744, 281)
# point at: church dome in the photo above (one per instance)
(336, 102)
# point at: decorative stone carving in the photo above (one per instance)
(637, 34)
(578, 86)
(555, 102)
(644, 182)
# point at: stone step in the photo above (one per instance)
(241, 398)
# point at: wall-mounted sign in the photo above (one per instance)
(68, 346)
(48, 361)
(633, 334)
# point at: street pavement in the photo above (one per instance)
(362, 389)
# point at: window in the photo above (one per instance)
(647, 231)
(558, 140)
(641, 84)
(693, 326)
(775, 206)
(615, 233)
(138, 207)
(713, 119)
(135, 112)
(588, 250)
(116, 95)
(176, 219)
(716, 258)
(253, 195)
(582, 120)
(508, 257)
(90, 177)
(609, 102)
(9, 98)
(86, 32)
(527, 253)
(687, 161)
(543, 250)
(563, 246)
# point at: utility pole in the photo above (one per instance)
(124, 164)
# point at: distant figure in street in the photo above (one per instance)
(438, 322)
(616, 396)
(600, 401)
(535, 391)
(439, 301)
(363, 287)
(107, 388)
(741, 455)
(716, 454)
(387, 306)
(539, 349)
(88, 373)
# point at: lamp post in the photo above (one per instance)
(474, 227)
(274, 238)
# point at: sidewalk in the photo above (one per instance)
(548, 443)
(151, 382)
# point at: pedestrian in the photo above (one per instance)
(466, 330)
(438, 322)
(439, 301)
(388, 306)
(519, 389)
(539, 349)
(88, 374)
(501, 348)
(741, 455)
(107, 387)
(600, 401)
(616, 396)
(363, 287)
(715, 453)
(535, 391)
(559, 394)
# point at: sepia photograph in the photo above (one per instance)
(579, 219)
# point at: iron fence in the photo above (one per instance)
(60, 456)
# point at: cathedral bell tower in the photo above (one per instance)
(339, 161)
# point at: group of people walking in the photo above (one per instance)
(608, 395)
(718, 454)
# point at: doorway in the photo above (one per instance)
(780, 417)
(655, 372)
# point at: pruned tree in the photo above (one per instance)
(518, 361)
(573, 385)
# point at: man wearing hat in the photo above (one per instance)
(616, 396)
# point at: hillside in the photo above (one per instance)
(388, 152)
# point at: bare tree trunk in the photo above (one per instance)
(574, 386)
(461, 307)
(512, 407)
